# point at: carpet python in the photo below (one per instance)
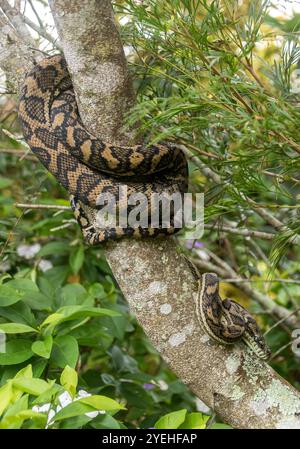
(225, 321)
(88, 167)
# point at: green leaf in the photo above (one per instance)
(15, 423)
(12, 372)
(76, 422)
(116, 326)
(69, 380)
(171, 420)
(6, 396)
(73, 294)
(77, 259)
(32, 386)
(54, 248)
(57, 275)
(65, 351)
(93, 333)
(43, 347)
(24, 285)
(54, 391)
(16, 328)
(21, 416)
(86, 405)
(17, 351)
(8, 295)
(18, 313)
(25, 372)
(20, 404)
(54, 318)
(76, 408)
(97, 290)
(67, 313)
(37, 301)
(102, 403)
(195, 421)
(105, 422)
(11, 293)
(135, 395)
(38, 366)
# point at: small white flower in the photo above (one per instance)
(45, 265)
(162, 385)
(28, 251)
(82, 394)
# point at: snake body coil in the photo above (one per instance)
(226, 321)
(87, 167)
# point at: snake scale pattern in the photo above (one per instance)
(225, 321)
(86, 166)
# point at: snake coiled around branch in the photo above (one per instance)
(86, 166)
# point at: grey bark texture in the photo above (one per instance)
(244, 391)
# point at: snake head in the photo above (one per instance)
(253, 338)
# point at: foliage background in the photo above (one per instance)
(221, 78)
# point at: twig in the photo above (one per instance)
(281, 321)
(41, 206)
(280, 350)
(42, 32)
(281, 177)
(267, 216)
(63, 226)
(21, 154)
(193, 147)
(35, 13)
(258, 251)
(290, 142)
(15, 18)
(207, 266)
(241, 231)
(238, 280)
(206, 170)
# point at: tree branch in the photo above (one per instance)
(16, 54)
(153, 276)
